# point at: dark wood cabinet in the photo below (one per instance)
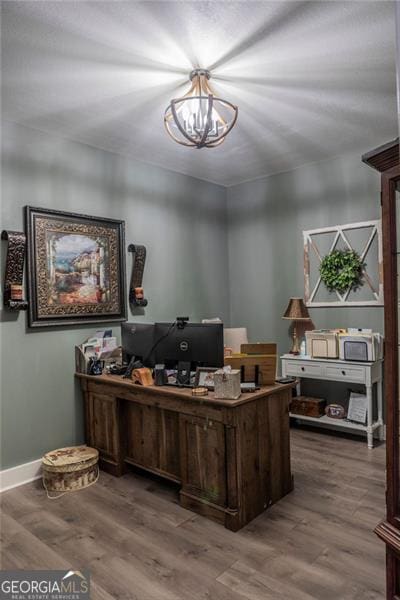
(103, 433)
(385, 159)
(203, 456)
(231, 457)
(151, 439)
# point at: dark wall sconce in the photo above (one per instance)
(136, 293)
(13, 290)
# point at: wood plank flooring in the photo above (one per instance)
(139, 544)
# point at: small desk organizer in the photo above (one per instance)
(257, 363)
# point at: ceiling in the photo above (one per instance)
(312, 79)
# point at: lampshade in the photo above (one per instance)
(296, 310)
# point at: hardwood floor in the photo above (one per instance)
(139, 544)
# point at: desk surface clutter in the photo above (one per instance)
(181, 392)
(231, 457)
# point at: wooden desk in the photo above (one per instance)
(232, 457)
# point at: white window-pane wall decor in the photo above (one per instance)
(365, 238)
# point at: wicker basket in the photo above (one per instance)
(69, 469)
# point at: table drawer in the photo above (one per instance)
(293, 367)
(345, 373)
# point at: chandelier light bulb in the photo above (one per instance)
(199, 119)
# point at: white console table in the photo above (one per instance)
(365, 373)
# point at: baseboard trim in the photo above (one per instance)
(19, 475)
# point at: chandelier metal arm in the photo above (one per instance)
(191, 89)
(208, 121)
(236, 111)
(209, 91)
(177, 122)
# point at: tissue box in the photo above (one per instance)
(227, 384)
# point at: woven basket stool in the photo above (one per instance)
(69, 469)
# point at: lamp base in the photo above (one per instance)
(295, 346)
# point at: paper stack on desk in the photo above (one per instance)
(102, 346)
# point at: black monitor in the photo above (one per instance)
(137, 340)
(201, 344)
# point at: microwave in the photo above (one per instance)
(361, 347)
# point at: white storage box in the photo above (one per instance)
(362, 347)
(322, 343)
(227, 384)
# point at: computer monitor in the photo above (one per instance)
(137, 340)
(201, 344)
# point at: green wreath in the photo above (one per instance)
(342, 270)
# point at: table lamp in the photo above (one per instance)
(296, 311)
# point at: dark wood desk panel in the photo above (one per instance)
(232, 457)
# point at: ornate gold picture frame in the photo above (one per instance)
(76, 268)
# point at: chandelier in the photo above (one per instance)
(199, 119)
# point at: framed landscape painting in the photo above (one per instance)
(76, 268)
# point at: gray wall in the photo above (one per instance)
(182, 222)
(266, 218)
(234, 253)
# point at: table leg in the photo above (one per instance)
(380, 408)
(283, 368)
(370, 433)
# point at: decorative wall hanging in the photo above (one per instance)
(341, 268)
(136, 294)
(200, 119)
(12, 291)
(76, 268)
